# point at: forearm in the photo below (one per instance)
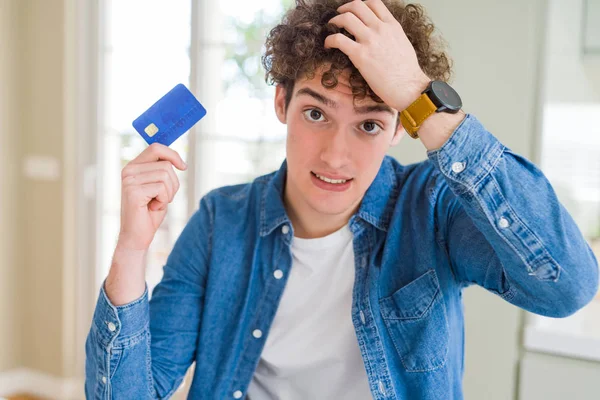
(126, 279)
(437, 129)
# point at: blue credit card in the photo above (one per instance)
(170, 117)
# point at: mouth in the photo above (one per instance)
(332, 184)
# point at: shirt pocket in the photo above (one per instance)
(415, 316)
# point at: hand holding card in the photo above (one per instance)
(170, 117)
(148, 184)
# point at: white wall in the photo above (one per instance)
(495, 47)
(547, 377)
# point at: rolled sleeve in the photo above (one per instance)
(118, 324)
(468, 156)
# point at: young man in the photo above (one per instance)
(340, 275)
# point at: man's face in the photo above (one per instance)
(332, 137)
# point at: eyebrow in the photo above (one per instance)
(330, 103)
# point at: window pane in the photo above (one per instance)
(591, 33)
(145, 54)
(146, 51)
(247, 139)
(571, 161)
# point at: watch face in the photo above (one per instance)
(445, 97)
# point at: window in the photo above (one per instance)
(591, 30)
(146, 48)
(139, 64)
(570, 159)
(239, 139)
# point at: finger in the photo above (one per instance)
(156, 205)
(156, 176)
(352, 24)
(134, 169)
(380, 10)
(344, 43)
(157, 152)
(157, 191)
(362, 11)
(142, 195)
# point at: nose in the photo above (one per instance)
(336, 150)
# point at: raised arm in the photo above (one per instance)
(137, 349)
(505, 229)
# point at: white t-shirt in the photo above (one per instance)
(312, 351)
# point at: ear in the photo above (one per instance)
(399, 134)
(280, 103)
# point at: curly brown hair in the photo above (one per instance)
(295, 47)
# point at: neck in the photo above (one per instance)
(308, 223)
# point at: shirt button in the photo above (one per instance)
(237, 394)
(362, 317)
(381, 388)
(458, 167)
(111, 327)
(503, 223)
(285, 229)
(257, 333)
(278, 274)
(103, 379)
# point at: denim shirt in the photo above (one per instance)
(474, 212)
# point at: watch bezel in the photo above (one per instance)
(435, 89)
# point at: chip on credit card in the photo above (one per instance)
(170, 117)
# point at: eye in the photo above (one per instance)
(313, 114)
(371, 128)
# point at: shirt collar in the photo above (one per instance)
(376, 207)
(272, 209)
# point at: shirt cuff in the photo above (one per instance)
(468, 156)
(121, 323)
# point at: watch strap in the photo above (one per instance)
(416, 113)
